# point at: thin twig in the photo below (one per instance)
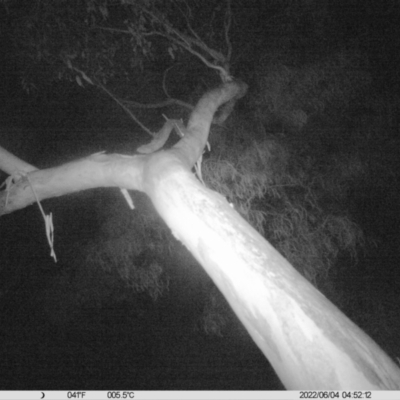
(126, 109)
(161, 104)
(227, 27)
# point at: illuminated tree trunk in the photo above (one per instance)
(308, 341)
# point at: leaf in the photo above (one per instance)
(171, 52)
(104, 11)
(86, 78)
(78, 80)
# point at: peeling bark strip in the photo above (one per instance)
(310, 343)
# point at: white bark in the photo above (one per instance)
(310, 343)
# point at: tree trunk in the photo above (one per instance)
(310, 343)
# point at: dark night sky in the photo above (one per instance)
(44, 335)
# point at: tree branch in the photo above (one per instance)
(101, 170)
(97, 170)
(161, 104)
(189, 43)
(126, 109)
(192, 144)
(13, 165)
(227, 27)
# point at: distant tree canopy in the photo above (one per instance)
(112, 42)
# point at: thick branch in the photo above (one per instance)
(160, 138)
(101, 170)
(192, 144)
(98, 170)
(13, 165)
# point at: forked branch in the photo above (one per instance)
(191, 40)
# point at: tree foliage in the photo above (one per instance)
(99, 42)
(297, 203)
(292, 95)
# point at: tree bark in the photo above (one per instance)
(310, 343)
